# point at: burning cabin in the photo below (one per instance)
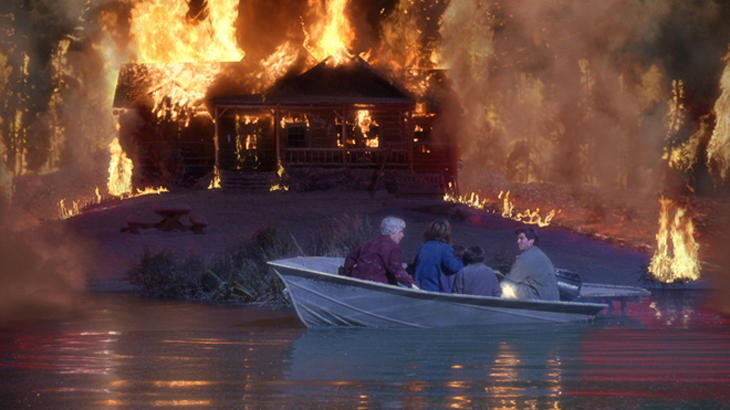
(330, 118)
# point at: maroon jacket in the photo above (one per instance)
(378, 260)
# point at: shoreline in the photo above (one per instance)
(233, 217)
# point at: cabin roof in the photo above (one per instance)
(353, 82)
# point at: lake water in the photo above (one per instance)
(121, 351)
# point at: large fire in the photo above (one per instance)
(163, 32)
(333, 33)
(676, 257)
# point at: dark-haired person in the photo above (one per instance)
(476, 278)
(532, 276)
(435, 263)
(379, 259)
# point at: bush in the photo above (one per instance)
(161, 275)
(242, 274)
(340, 234)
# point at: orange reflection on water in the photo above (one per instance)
(460, 402)
(507, 384)
(458, 384)
(181, 383)
(505, 362)
(181, 403)
(111, 402)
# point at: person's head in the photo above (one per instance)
(473, 254)
(393, 227)
(526, 238)
(438, 230)
(459, 251)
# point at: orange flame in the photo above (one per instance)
(120, 170)
(333, 33)
(507, 210)
(180, 88)
(215, 182)
(280, 186)
(165, 34)
(676, 256)
(119, 184)
(364, 121)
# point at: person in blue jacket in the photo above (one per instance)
(435, 263)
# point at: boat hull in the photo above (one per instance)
(324, 299)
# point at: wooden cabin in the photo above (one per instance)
(330, 117)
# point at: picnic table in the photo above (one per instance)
(171, 213)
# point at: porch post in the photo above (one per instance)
(216, 145)
(409, 135)
(276, 137)
(344, 134)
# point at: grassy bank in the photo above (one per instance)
(241, 274)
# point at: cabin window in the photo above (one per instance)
(296, 135)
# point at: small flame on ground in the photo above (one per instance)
(119, 184)
(120, 170)
(280, 186)
(676, 255)
(64, 212)
(215, 183)
(508, 209)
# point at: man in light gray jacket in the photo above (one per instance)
(532, 276)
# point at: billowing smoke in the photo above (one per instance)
(605, 106)
(55, 122)
(42, 268)
(583, 94)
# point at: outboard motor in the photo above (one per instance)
(569, 284)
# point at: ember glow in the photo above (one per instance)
(676, 256)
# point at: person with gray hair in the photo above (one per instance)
(379, 259)
(391, 224)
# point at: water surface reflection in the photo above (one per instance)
(124, 352)
(442, 368)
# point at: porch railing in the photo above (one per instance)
(346, 157)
